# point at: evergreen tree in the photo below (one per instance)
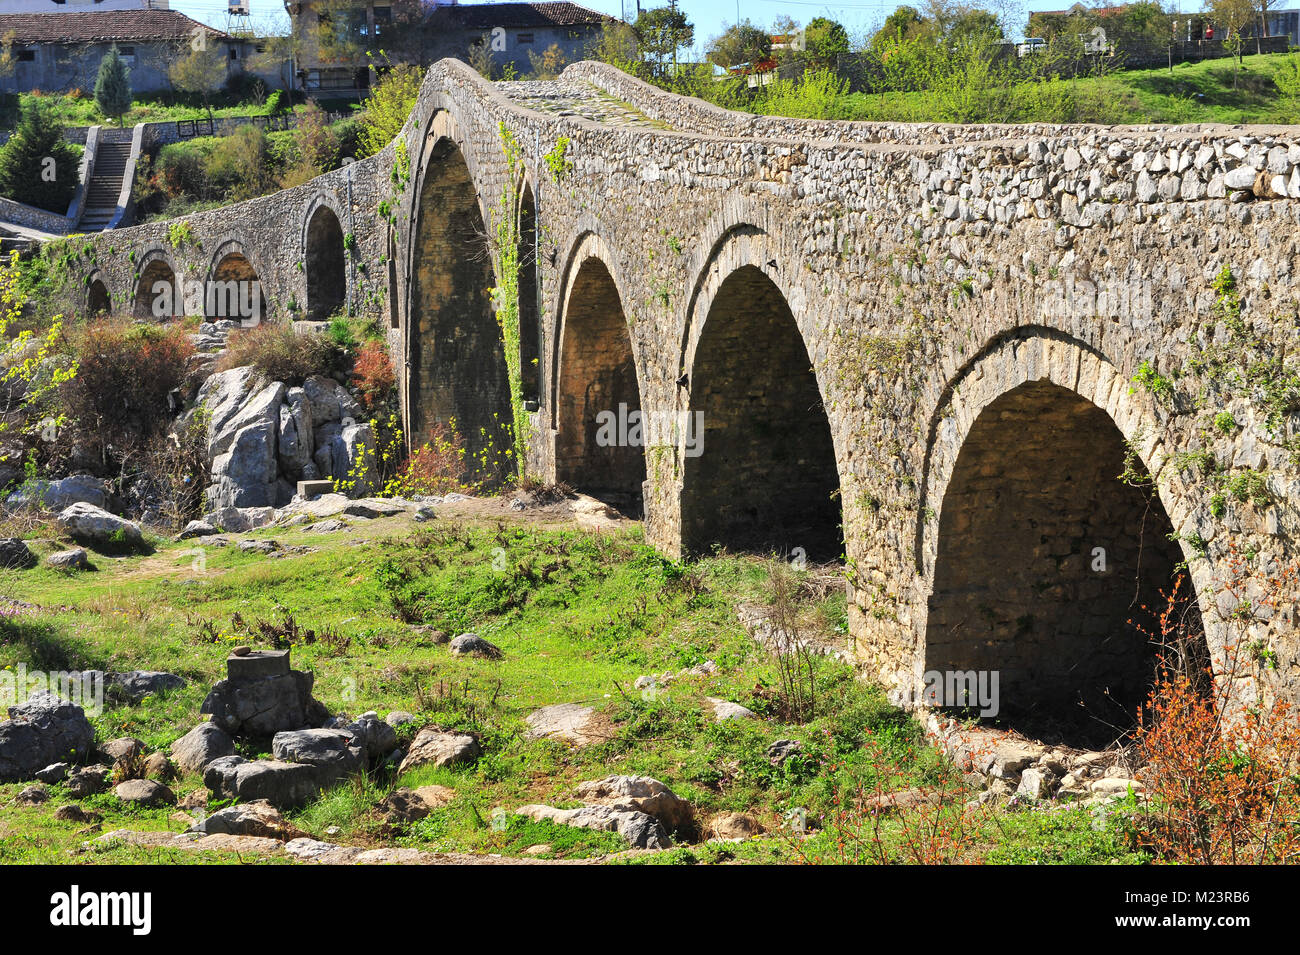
(113, 86)
(37, 165)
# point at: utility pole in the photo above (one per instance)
(672, 32)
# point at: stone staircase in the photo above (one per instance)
(105, 186)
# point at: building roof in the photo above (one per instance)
(485, 16)
(102, 26)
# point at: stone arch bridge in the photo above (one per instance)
(932, 349)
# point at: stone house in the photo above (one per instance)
(57, 52)
(424, 31)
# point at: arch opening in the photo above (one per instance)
(234, 291)
(151, 301)
(98, 301)
(530, 331)
(765, 476)
(457, 368)
(1047, 558)
(600, 446)
(326, 265)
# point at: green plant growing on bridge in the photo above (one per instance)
(1156, 384)
(180, 234)
(558, 161)
(508, 224)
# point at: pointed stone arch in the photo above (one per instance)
(233, 290)
(156, 269)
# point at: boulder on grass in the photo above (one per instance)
(92, 525)
(145, 792)
(44, 730)
(15, 555)
(438, 747)
(200, 746)
(641, 831)
(639, 793)
(283, 785)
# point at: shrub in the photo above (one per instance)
(436, 467)
(279, 353)
(314, 149)
(387, 108)
(26, 174)
(118, 402)
(375, 378)
(1220, 767)
(242, 160)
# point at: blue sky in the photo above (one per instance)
(710, 17)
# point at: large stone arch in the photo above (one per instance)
(455, 361)
(325, 264)
(765, 474)
(596, 402)
(1038, 561)
(156, 266)
(234, 290)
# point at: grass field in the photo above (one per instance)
(1201, 92)
(579, 616)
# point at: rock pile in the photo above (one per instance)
(264, 438)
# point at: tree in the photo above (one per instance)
(388, 106)
(548, 64)
(1234, 16)
(37, 165)
(660, 33)
(7, 59)
(904, 24)
(201, 71)
(742, 44)
(617, 45)
(825, 41)
(113, 86)
(974, 24)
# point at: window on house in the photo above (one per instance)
(127, 53)
(26, 56)
(234, 54)
(524, 39)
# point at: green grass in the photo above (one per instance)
(80, 109)
(579, 617)
(1201, 92)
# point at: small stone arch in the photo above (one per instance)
(156, 267)
(325, 265)
(234, 289)
(1037, 560)
(98, 299)
(601, 437)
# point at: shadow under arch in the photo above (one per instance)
(457, 376)
(600, 434)
(762, 473)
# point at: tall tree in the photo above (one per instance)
(743, 43)
(113, 86)
(661, 32)
(825, 41)
(199, 69)
(37, 165)
(1233, 17)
